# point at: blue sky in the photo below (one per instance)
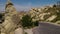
(27, 4)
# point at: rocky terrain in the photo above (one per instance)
(47, 14)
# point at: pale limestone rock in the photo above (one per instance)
(11, 18)
(51, 18)
(18, 31)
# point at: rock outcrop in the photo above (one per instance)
(11, 18)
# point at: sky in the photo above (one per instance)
(21, 5)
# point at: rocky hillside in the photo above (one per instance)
(47, 14)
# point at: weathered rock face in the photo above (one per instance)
(11, 18)
(47, 14)
(47, 28)
(18, 31)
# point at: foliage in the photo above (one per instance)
(54, 5)
(35, 23)
(1, 17)
(26, 33)
(27, 22)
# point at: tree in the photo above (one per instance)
(26, 21)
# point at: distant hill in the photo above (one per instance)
(47, 14)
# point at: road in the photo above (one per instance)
(47, 28)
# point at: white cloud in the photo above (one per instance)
(23, 7)
(20, 8)
(2, 8)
